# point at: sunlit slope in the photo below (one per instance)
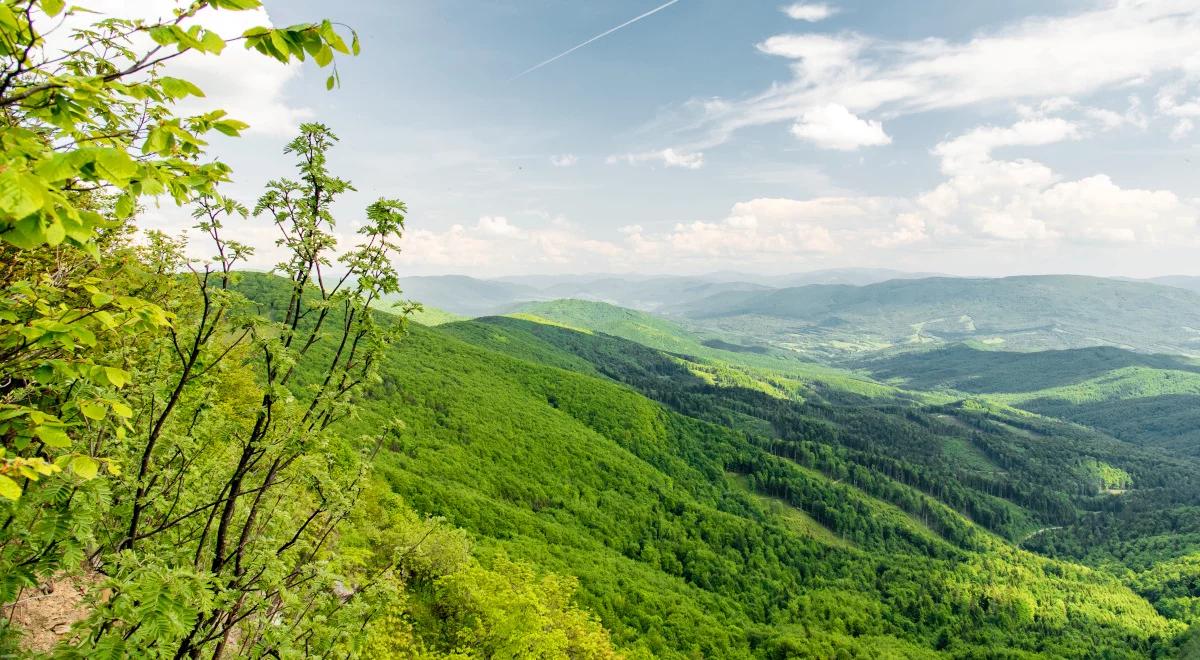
(1141, 398)
(590, 478)
(568, 468)
(1036, 463)
(758, 361)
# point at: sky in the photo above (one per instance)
(960, 136)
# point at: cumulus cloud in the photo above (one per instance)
(832, 126)
(497, 226)
(665, 157)
(1024, 200)
(809, 11)
(496, 245)
(564, 160)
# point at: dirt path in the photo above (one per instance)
(1035, 533)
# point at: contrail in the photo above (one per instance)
(595, 38)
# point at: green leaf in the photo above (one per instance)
(121, 409)
(212, 42)
(92, 410)
(231, 127)
(163, 36)
(323, 56)
(9, 488)
(333, 38)
(236, 5)
(55, 232)
(53, 436)
(100, 299)
(280, 45)
(117, 377)
(124, 206)
(330, 82)
(51, 7)
(20, 194)
(178, 88)
(115, 165)
(158, 141)
(58, 167)
(85, 466)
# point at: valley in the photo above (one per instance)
(932, 456)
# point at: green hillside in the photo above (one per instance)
(631, 324)
(1015, 313)
(543, 459)
(1141, 398)
(434, 316)
(748, 362)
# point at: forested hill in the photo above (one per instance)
(711, 510)
(1035, 312)
(1147, 399)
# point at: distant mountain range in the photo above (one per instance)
(471, 296)
(849, 276)
(1022, 313)
(1189, 282)
(835, 313)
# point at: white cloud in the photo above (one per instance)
(985, 202)
(243, 82)
(1182, 129)
(1176, 101)
(817, 57)
(564, 160)
(1122, 44)
(974, 148)
(665, 157)
(765, 231)
(987, 198)
(832, 126)
(909, 228)
(809, 11)
(495, 245)
(497, 226)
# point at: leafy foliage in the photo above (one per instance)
(177, 458)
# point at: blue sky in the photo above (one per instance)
(967, 137)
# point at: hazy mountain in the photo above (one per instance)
(476, 297)
(647, 294)
(1030, 312)
(464, 295)
(850, 276)
(1189, 282)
